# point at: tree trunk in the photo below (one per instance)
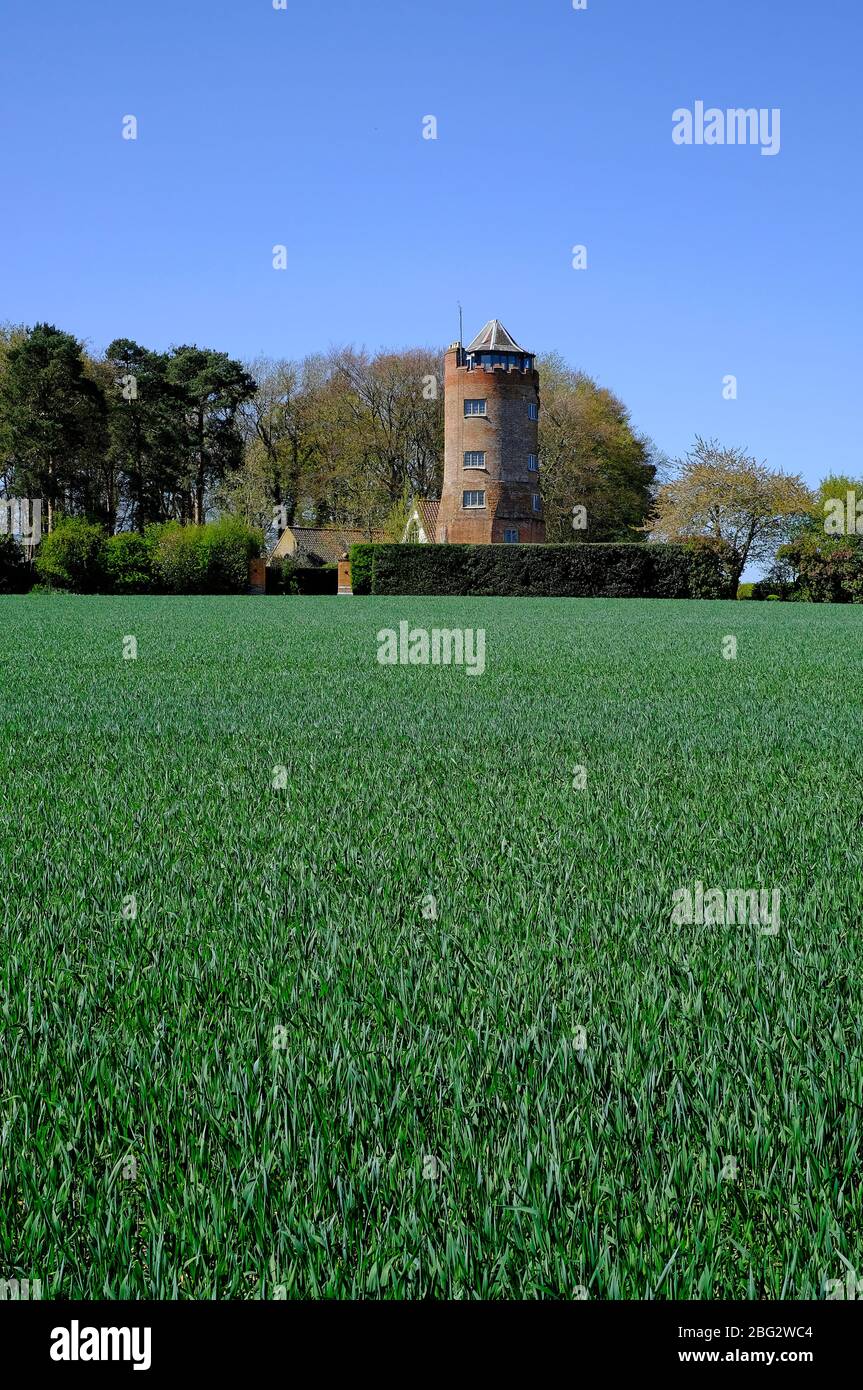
(198, 501)
(50, 498)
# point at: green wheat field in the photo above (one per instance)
(415, 1020)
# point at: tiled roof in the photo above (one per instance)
(323, 545)
(428, 508)
(494, 338)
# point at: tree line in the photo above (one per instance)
(136, 436)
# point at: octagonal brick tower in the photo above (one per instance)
(491, 491)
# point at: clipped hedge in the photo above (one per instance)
(284, 577)
(323, 579)
(692, 569)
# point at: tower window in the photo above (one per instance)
(510, 536)
(474, 458)
(474, 407)
(532, 464)
(537, 502)
(533, 411)
(473, 499)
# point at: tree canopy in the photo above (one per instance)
(591, 458)
(344, 437)
(723, 492)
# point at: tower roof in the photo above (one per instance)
(494, 338)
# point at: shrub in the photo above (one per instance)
(829, 569)
(689, 570)
(770, 588)
(745, 590)
(14, 570)
(170, 558)
(178, 561)
(211, 559)
(70, 557)
(127, 562)
(228, 546)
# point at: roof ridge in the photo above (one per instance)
(495, 338)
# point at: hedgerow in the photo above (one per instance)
(692, 569)
(79, 557)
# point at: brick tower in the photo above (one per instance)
(491, 490)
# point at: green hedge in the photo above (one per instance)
(71, 557)
(179, 564)
(772, 589)
(80, 557)
(127, 563)
(323, 579)
(284, 577)
(829, 569)
(229, 546)
(211, 559)
(693, 569)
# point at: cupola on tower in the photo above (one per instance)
(491, 491)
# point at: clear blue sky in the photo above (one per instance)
(304, 127)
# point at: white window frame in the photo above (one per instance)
(475, 400)
(474, 454)
(532, 463)
(510, 535)
(473, 506)
(536, 501)
(533, 410)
